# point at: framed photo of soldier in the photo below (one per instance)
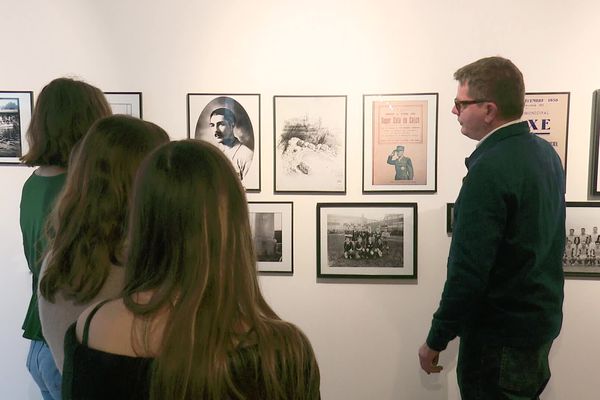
(232, 123)
(15, 116)
(272, 229)
(309, 144)
(582, 245)
(127, 103)
(548, 116)
(400, 143)
(367, 240)
(595, 145)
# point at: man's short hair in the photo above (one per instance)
(227, 114)
(498, 80)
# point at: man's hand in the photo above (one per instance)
(429, 359)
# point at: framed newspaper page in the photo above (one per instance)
(582, 245)
(271, 223)
(367, 240)
(127, 103)
(400, 143)
(595, 145)
(232, 123)
(548, 117)
(15, 116)
(310, 144)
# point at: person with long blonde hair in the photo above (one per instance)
(88, 225)
(192, 322)
(63, 112)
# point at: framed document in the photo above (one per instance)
(128, 103)
(548, 117)
(400, 143)
(232, 123)
(595, 145)
(15, 116)
(367, 240)
(272, 230)
(310, 144)
(582, 245)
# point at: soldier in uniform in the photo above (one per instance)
(403, 164)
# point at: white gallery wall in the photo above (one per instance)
(365, 333)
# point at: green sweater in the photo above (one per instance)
(505, 277)
(37, 200)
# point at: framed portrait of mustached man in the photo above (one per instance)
(232, 123)
(400, 143)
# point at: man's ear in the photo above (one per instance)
(491, 112)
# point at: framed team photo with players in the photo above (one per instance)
(582, 245)
(595, 145)
(126, 103)
(271, 223)
(15, 116)
(367, 240)
(232, 123)
(400, 143)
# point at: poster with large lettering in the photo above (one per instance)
(548, 117)
(400, 143)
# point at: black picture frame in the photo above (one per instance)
(582, 255)
(595, 145)
(389, 229)
(449, 218)
(126, 103)
(16, 107)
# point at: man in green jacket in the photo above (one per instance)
(504, 288)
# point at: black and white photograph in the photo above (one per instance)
(582, 244)
(310, 144)
(367, 240)
(449, 218)
(127, 103)
(15, 116)
(232, 123)
(271, 224)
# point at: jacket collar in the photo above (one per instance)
(501, 134)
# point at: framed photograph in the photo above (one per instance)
(367, 240)
(400, 143)
(310, 144)
(232, 123)
(272, 230)
(595, 145)
(449, 217)
(582, 247)
(128, 103)
(15, 116)
(548, 117)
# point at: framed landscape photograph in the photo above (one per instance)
(309, 144)
(582, 245)
(272, 229)
(449, 217)
(548, 117)
(367, 240)
(595, 144)
(15, 116)
(127, 103)
(400, 143)
(232, 123)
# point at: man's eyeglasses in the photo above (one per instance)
(462, 104)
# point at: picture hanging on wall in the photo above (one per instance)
(272, 230)
(15, 116)
(367, 240)
(582, 245)
(309, 144)
(127, 103)
(595, 144)
(232, 123)
(548, 117)
(400, 143)
(449, 217)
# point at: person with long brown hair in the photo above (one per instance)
(87, 227)
(63, 112)
(192, 322)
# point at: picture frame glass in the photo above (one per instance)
(125, 103)
(582, 245)
(271, 224)
(15, 117)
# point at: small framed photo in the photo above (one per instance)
(595, 145)
(15, 116)
(232, 123)
(582, 245)
(449, 217)
(310, 144)
(400, 143)
(127, 103)
(367, 240)
(548, 117)
(272, 230)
